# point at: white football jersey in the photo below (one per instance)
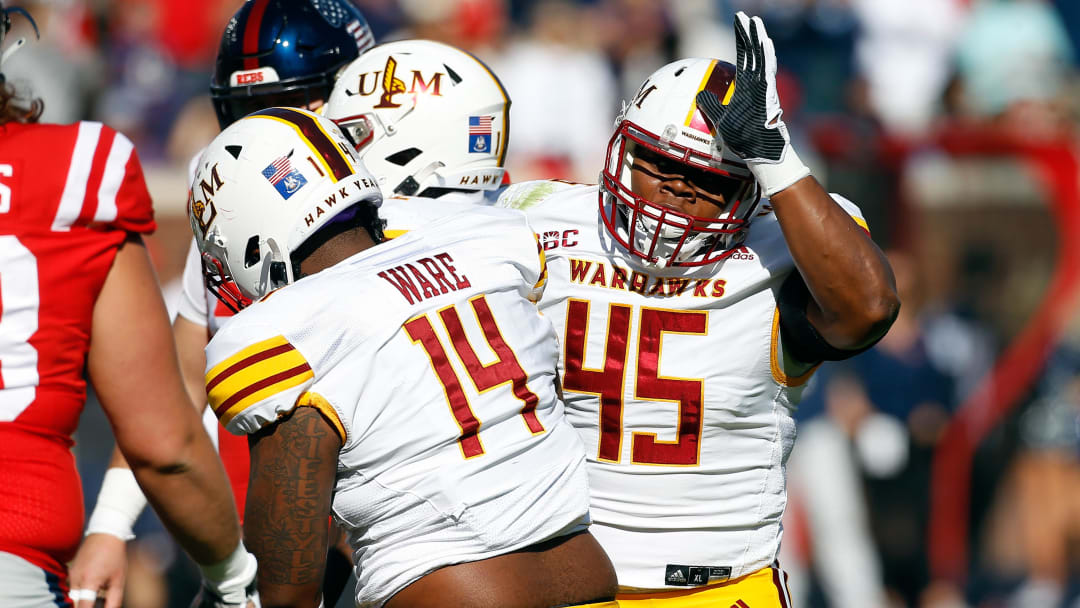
(428, 355)
(675, 378)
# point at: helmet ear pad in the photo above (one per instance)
(663, 122)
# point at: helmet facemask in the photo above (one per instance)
(658, 234)
(219, 283)
(218, 277)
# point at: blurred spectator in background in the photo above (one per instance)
(1013, 60)
(892, 403)
(902, 55)
(827, 536)
(1047, 477)
(564, 95)
(62, 66)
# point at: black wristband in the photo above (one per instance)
(801, 339)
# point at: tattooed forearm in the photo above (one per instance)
(293, 464)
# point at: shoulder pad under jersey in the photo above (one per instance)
(526, 195)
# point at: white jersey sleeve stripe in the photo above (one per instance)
(71, 201)
(115, 170)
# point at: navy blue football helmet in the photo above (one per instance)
(284, 53)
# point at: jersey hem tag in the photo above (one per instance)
(678, 575)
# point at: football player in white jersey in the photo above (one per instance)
(695, 301)
(406, 387)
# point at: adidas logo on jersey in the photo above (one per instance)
(675, 575)
(740, 253)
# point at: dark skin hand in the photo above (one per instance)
(293, 467)
(854, 299)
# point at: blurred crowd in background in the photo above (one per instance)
(941, 468)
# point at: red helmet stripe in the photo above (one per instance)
(251, 33)
(720, 79)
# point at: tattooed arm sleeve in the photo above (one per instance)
(293, 464)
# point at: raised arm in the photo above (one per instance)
(293, 466)
(852, 294)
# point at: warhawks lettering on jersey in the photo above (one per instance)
(602, 274)
(425, 278)
(328, 203)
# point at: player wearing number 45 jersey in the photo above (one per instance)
(693, 311)
(406, 387)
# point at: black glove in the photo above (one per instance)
(750, 124)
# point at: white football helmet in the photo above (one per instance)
(663, 120)
(424, 115)
(265, 185)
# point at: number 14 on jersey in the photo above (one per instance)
(506, 369)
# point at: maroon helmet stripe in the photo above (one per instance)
(251, 33)
(329, 151)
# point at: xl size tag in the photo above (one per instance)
(692, 576)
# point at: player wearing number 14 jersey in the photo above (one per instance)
(408, 386)
(692, 313)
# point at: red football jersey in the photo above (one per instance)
(68, 196)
